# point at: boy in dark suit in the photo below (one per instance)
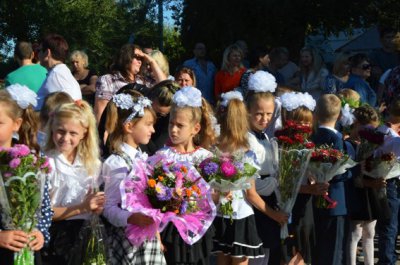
(330, 223)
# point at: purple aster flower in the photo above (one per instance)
(163, 193)
(19, 150)
(183, 208)
(210, 168)
(15, 162)
(228, 169)
(239, 166)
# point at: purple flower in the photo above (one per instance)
(19, 150)
(239, 166)
(183, 208)
(7, 174)
(15, 162)
(228, 169)
(210, 168)
(163, 193)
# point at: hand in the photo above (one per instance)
(14, 240)
(228, 195)
(94, 202)
(37, 240)
(140, 220)
(280, 217)
(319, 188)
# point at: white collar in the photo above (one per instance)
(129, 150)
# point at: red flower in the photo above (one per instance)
(299, 138)
(309, 145)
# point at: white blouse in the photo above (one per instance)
(269, 165)
(195, 157)
(115, 169)
(69, 183)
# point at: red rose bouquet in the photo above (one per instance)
(293, 150)
(325, 163)
(371, 139)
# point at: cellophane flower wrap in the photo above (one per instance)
(385, 166)
(370, 140)
(228, 172)
(325, 163)
(22, 179)
(93, 236)
(168, 191)
(293, 151)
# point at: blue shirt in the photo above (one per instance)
(204, 80)
(367, 94)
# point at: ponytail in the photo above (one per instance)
(29, 128)
(207, 134)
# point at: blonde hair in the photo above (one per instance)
(88, 148)
(116, 118)
(253, 97)
(225, 58)
(51, 102)
(29, 126)
(349, 94)
(202, 115)
(340, 60)
(317, 62)
(234, 126)
(328, 108)
(161, 61)
(76, 55)
(300, 115)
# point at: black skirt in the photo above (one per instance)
(64, 242)
(179, 252)
(237, 238)
(7, 257)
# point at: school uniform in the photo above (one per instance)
(330, 223)
(120, 250)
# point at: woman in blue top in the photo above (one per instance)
(360, 72)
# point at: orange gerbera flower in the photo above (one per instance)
(196, 189)
(188, 193)
(160, 178)
(151, 183)
(184, 169)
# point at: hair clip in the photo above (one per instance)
(79, 103)
(22, 95)
(188, 97)
(126, 102)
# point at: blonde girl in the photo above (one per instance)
(238, 241)
(130, 121)
(17, 118)
(191, 133)
(73, 148)
(261, 107)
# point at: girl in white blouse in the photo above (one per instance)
(72, 146)
(130, 121)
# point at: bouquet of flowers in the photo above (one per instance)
(22, 179)
(294, 153)
(371, 139)
(385, 166)
(168, 191)
(325, 163)
(225, 172)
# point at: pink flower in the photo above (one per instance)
(228, 169)
(7, 174)
(15, 162)
(19, 150)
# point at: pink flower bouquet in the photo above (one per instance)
(22, 178)
(225, 172)
(168, 191)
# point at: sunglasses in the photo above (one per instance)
(137, 57)
(365, 66)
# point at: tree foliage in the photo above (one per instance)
(275, 22)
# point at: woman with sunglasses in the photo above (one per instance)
(360, 72)
(124, 70)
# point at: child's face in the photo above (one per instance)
(141, 131)
(181, 128)
(7, 127)
(261, 113)
(67, 134)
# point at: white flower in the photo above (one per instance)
(22, 95)
(262, 81)
(228, 96)
(125, 101)
(347, 118)
(216, 127)
(293, 100)
(187, 97)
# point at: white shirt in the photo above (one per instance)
(391, 142)
(115, 169)
(195, 157)
(69, 183)
(268, 163)
(59, 79)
